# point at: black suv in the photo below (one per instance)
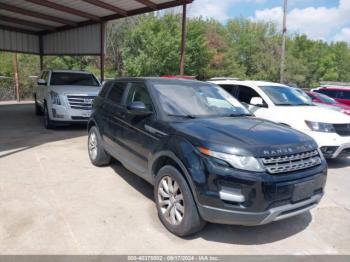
(208, 158)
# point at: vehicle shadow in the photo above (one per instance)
(255, 235)
(338, 163)
(21, 129)
(229, 234)
(139, 184)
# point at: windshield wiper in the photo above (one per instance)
(285, 104)
(238, 115)
(183, 116)
(293, 104)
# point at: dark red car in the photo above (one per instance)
(324, 99)
(340, 94)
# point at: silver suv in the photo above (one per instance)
(65, 96)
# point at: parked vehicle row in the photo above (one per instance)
(224, 151)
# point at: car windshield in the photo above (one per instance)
(73, 79)
(190, 99)
(286, 96)
(326, 99)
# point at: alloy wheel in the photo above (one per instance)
(170, 200)
(93, 145)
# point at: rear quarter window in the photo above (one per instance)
(328, 92)
(105, 89)
(116, 92)
(343, 94)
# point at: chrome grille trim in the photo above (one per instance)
(81, 102)
(289, 163)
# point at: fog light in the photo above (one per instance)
(55, 115)
(328, 151)
(231, 194)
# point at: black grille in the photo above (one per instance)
(80, 101)
(342, 129)
(290, 163)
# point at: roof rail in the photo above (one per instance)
(224, 78)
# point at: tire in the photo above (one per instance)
(178, 214)
(47, 121)
(38, 110)
(98, 156)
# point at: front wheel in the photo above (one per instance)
(37, 108)
(47, 120)
(98, 156)
(176, 207)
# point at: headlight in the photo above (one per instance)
(248, 163)
(320, 127)
(55, 98)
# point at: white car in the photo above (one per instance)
(285, 105)
(65, 96)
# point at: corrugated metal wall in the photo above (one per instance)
(78, 41)
(19, 42)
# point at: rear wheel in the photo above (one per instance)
(176, 207)
(98, 156)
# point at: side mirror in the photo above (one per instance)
(41, 82)
(257, 101)
(139, 108)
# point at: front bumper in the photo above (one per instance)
(231, 196)
(224, 216)
(60, 113)
(332, 145)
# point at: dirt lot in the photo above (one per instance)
(53, 201)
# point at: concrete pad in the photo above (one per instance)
(54, 201)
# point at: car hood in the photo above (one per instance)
(310, 113)
(328, 106)
(245, 136)
(67, 89)
(342, 106)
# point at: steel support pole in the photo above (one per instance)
(284, 35)
(16, 75)
(102, 51)
(41, 56)
(183, 40)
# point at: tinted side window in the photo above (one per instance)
(245, 94)
(343, 94)
(139, 93)
(116, 91)
(230, 89)
(328, 92)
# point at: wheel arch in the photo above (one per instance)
(90, 124)
(169, 158)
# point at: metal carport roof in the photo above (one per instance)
(66, 27)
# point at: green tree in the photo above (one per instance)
(152, 48)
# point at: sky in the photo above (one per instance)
(327, 20)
